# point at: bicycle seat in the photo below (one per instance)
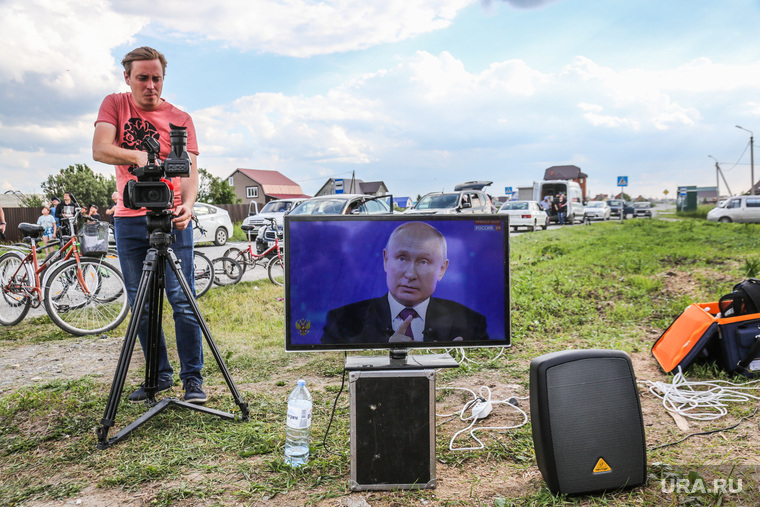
(31, 230)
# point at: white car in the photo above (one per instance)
(216, 224)
(597, 210)
(742, 209)
(525, 214)
(273, 209)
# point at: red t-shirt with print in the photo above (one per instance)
(133, 125)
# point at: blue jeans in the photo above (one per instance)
(132, 245)
(561, 217)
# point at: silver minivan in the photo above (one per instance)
(741, 209)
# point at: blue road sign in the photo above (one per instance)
(339, 186)
(508, 190)
(622, 181)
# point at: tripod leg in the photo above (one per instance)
(146, 282)
(155, 317)
(176, 268)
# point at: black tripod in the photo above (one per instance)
(152, 286)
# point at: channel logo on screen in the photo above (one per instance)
(487, 225)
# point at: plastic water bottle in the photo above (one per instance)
(298, 426)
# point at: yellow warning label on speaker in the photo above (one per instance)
(602, 466)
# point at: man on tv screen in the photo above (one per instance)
(414, 260)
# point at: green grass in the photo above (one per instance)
(611, 285)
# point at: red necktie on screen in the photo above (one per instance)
(403, 315)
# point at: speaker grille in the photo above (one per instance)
(594, 414)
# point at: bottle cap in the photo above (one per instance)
(301, 382)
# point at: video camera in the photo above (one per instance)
(151, 189)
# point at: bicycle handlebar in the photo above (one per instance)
(197, 225)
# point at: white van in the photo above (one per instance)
(553, 188)
(742, 208)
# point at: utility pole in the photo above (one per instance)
(719, 174)
(751, 158)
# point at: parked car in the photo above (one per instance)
(273, 209)
(597, 210)
(618, 205)
(642, 209)
(215, 221)
(333, 204)
(741, 209)
(464, 201)
(525, 214)
(343, 204)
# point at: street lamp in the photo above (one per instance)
(751, 158)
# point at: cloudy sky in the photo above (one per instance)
(421, 94)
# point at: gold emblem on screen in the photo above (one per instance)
(303, 326)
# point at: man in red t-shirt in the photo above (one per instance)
(124, 121)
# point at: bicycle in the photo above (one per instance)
(271, 257)
(227, 271)
(222, 271)
(82, 295)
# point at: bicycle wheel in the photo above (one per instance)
(14, 276)
(227, 271)
(106, 296)
(89, 298)
(276, 270)
(202, 272)
(242, 257)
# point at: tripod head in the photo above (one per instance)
(159, 224)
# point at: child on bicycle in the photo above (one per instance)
(47, 221)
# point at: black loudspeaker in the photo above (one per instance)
(588, 431)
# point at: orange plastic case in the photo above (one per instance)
(686, 337)
(690, 334)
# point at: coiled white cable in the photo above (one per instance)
(701, 400)
(485, 396)
(462, 355)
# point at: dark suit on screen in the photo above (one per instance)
(369, 321)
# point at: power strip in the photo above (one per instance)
(481, 409)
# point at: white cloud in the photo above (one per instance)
(427, 118)
(298, 28)
(429, 112)
(66, 43)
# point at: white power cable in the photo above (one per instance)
(701, 401)
(460, 352)
(481, 405)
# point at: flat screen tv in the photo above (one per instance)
(349, 278)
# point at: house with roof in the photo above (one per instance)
(352, 186)
(261, 186)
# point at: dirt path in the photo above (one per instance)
(27, 365)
